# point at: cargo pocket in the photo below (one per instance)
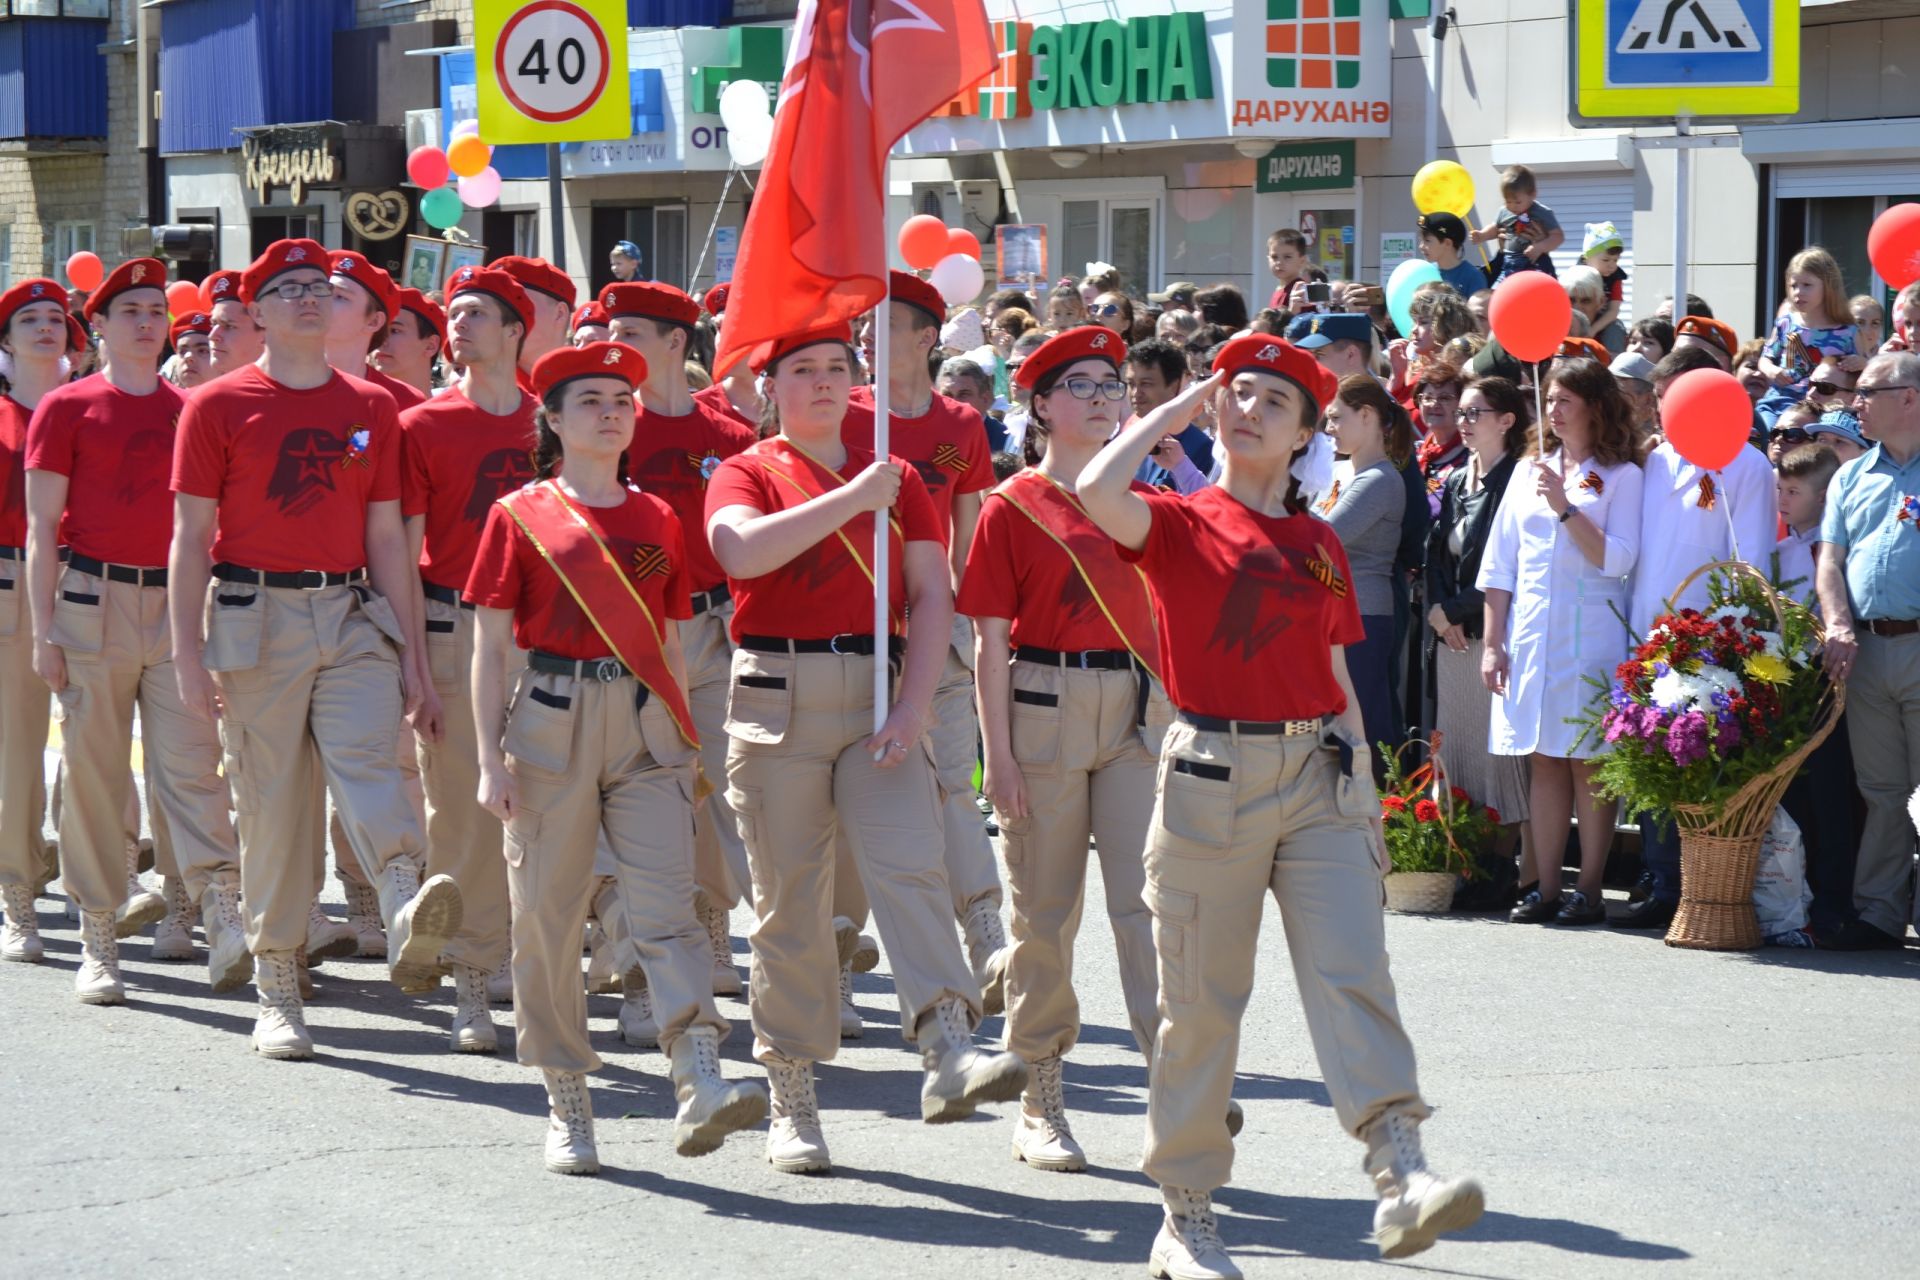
(79, 615)
(1176, 941)
(444, 650)
(1159, 718)
(745, 803)
(1354, 796)
(10, 593)
(381, 615)
(522, 833)
(540, 728)
(760, 697)
(665, 743)
(239, 771)
(1034, 717)
(236, 621)
(1193, 814)
(1013, 838)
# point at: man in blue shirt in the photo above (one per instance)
(1443, 241)
(1869, 584)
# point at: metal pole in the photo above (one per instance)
(882, 439)
(1436, 71)
(1682, 181)
(556, 208)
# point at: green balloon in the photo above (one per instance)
(441, 208)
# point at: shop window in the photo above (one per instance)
(54, 8)
(1114, 231)
(6, 258)
(1832, 206)
(658, 231)
(526, 234)
(70, 238)
(269, 227)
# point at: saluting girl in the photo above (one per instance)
(583, 572)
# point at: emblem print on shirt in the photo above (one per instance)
(1707, 494)
(499, 474)
(1593, 484)
(303, 475)
(947, 457)
(704, 463)
(144, 466)
(1264, 575)
(650, 560)
(1909, 511)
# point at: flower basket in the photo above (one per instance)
(1745, 752)
(1427, 893)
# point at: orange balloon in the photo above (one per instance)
(183, 296)
(960, 240)
(923, 241)
(468, 155)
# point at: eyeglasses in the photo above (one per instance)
(1428, 396)
(1088, 388)
(1472, 415)
(1826, 388)
(1793, 435)
(1868, 393)
(294, 290)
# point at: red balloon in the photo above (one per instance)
(1893, 245)
(427, 167)
(963, 241)
(923, 241)
(183, 296)
(1707, 416)
(84, 271)
(1530, 315)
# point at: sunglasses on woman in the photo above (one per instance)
(1793, 436)
(1827, 388)
(1106, 309)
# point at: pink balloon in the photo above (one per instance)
(481, 190)
(427, 167)
(1530, 315)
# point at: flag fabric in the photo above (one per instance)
(860, 73)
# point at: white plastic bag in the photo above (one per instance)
(1780, 893)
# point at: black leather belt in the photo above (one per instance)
(303, 580)
(1261, 728)
(1888, 626)
(1084, 659)
(118, 572)
(847, 645)
(703, 601)
(602, 670)
(443, 595)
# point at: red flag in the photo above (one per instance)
(860, 74)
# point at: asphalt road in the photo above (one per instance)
(1625, 1104)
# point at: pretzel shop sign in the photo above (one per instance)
(295, 160)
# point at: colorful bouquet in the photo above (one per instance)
(1430, 825)
(1710, 701)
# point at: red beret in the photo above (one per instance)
(355, 267)
(221, 286)
(1084, 342)
(281, 257)
(539, 274)
(134, 273)
(1707, 329)
(1584, 348)
(595, 360)
(768, 354)
(409, 299)
(918, 294)
(1263, 353)
(590, 313)
(650, 300)
(495, 283)
(715, 300)
(193, 322)
(28, 292)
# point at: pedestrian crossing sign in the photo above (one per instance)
(1652, 61)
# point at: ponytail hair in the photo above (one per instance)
(1359, 391)
(1295, 502)
(548, 453)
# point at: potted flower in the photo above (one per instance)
(1707, 722)
(1432, 830)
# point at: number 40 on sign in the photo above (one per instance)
(552, 70)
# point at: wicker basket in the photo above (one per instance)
(1424, 893)
(1720, 847)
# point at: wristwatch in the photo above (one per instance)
(1566, 515)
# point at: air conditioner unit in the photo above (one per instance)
(980, 201)
(423, 128)
(136, 241)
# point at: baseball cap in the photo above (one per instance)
(1312, 332)
(1843, 423)
(1631, 364)
(1180, 291)
(1444, 225)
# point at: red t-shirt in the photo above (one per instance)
(115, 450)
(1016, 570)
(510, 573)
(1247, 619)
(821, 592)
(14, 418)
(293, 470)
(716, 398)
(947, 445)
(405, 394)
(674, 458)
(456, 461)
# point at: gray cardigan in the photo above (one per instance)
(1367, 517)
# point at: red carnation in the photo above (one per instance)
(1493, 816)
(1396, 803)
(1461, 797)
(1426, 811)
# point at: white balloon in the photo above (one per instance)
(748, 146)
(959, 278)
(469, 125)
(744, 103)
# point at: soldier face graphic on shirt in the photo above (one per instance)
(499, 474)
(145, 465)
(1259, 606)
(303, 475)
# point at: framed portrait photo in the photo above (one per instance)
(426, 268)
(463, 255)
(1020, 253)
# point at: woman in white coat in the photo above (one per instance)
(1555, 578)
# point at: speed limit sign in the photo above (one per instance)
(552, 70)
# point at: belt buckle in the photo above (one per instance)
(833, 645)
(1082, 656)
(607, 670)
(1297, 727)
(312, 579)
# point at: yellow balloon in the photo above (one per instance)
(468, 155)
(1443, 185)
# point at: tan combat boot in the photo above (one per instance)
(637, 1025)
(570, 1147)
(363, 917)
(1415, 1206)
(421, 919)
(710, 1108)
(20, 939)
(988, 950)
(794, 1141)
(713, 918)
(173, 936)
(280, 1031)
(1189, 1246)
(229, 965)
(98, 978)
(500, 981)
(846, 938)
(959, 1076)
(473, 1029)
(143, 906)
(1041, 1135)
(327, 938)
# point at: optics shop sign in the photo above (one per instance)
(1314, 67)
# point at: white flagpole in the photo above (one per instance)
(882, 435)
